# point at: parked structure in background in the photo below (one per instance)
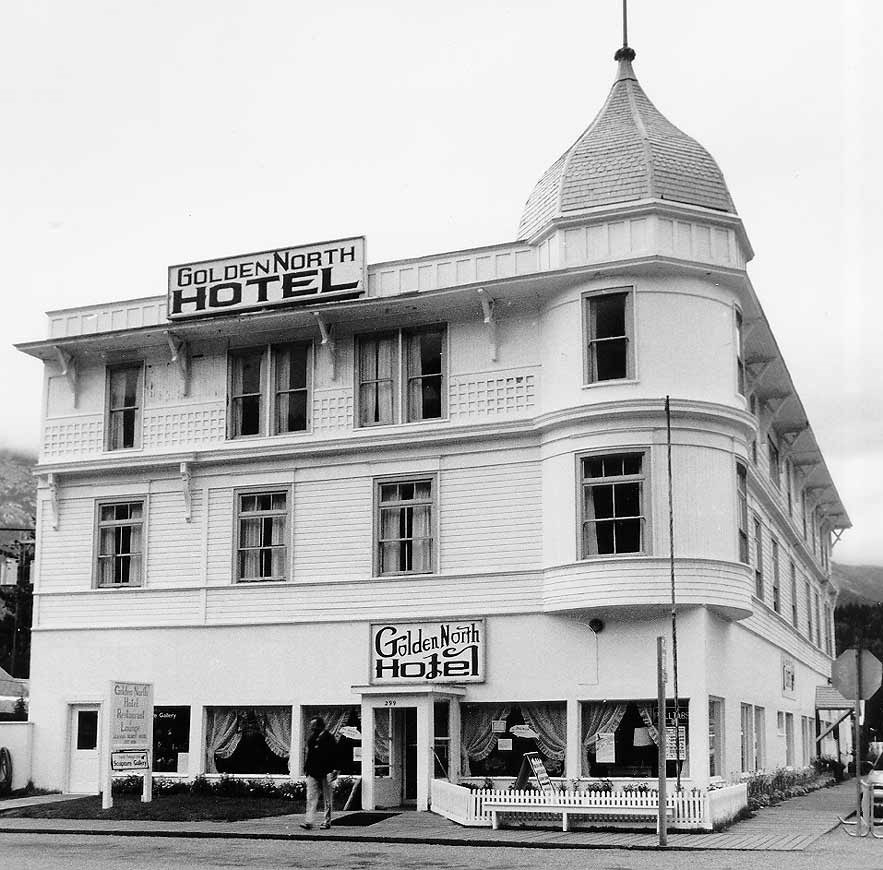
(426, 499)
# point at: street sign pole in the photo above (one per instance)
(857, 738)
(661, 822)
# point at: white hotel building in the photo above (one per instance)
(250, 496)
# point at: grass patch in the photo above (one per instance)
(165, 808)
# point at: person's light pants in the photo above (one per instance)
(315, 787)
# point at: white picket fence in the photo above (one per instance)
(687, 809)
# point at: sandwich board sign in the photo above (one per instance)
(129, 740)
(532, 764)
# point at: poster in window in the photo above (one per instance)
(788, 677)
(504, 744)
(674, 741)
(605, 748)
(498, 726)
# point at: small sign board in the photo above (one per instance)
(674, 741)
(498, 726)
(129, 760)
(129, 735)
(504, 744)
(428, 652)
(532, 765)
(605, 747)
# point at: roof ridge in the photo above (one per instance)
(642, 131)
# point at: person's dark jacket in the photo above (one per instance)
(321, 755)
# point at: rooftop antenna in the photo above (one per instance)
(625, 53)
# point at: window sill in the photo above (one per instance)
(107, 586)
(612, 382)
(400, 574)
(428, 422)
(597, 557)
(263, 581)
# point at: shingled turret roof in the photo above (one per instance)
(629, 152)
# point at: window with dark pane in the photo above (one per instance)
(261, 550)
(120, 533)
(740, 355)
(424, 358)
(405, 541)
(124, 406)
(245, 392)
(608, 337)
(742, 489)
(87, 729)
(291, 400)
(612, 504)
(378, 371)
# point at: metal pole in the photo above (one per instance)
(857, 737)
(662, 820)
(625, 24)
(674, 613)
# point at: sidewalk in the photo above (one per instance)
(788, 827)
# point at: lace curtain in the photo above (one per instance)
(477, 738)
(550, 723)
(597, 718)
(335, 717)
(381, 737)
(222, 735)
(275, 727)
(376, 372)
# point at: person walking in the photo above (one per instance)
(320, 766)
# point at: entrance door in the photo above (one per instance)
(409, 757)
(83, 772)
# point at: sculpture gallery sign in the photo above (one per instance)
(131, 726)
(308, 275)
(419, 652)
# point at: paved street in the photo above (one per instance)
(39, 851)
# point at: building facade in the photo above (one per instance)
(429, 498)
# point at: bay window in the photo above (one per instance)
(612, 504)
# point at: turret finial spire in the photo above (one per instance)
(625, 53)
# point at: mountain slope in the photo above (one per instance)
(859, 584)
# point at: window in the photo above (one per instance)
(803, 511)
(612, 504)
(808, 611)
(124, 406)
(777, 602)
(405, 534)
(247, 740)
(827, 613)
(789, 739)
(747, 734)
(715, 736)
(793, 594)
(807, 734)
(740, 355)
(401, 376)
(818, 637)
(87, 729)
(742, 489)
(261, 550)
(775, 470)
(609, 352)
(290, 395)
(758, 559)
(788, 488)
(759, 738)
(171, 739)
(120, 543)
(246, 386)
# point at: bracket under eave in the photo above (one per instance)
(69, 369)
(187, 489)
(326, 330)
(52, 483)
(180, 351)
(487, 306)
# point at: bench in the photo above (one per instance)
(619, 814)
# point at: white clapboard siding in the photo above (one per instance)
(333, 529)
(66, 554)
(174, 555)
(411, 598)
(219, 555)
(491, 518)
(112, 608)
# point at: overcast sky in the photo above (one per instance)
(137, 135)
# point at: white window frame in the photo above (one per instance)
(99, 525)
(744, 553)
(775, 558)
(287, 534)
(586, 301)
(774, 458)
(758, 558)
(643, 478)
(110, 411)
(741, 385)
(268, 395)
(432, 479)
(401, 377)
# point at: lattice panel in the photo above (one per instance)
(179, 428)
(492, 396)
(332, 411)
(83, 435)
